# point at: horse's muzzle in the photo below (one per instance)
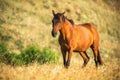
(54, 33)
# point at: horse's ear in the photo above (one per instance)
(53, 12)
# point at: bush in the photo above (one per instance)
(48, 56)
(10, 58)
(18, 60)
(30, 54)
(13, 59)
(27, 56)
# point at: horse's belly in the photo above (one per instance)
(81, 48)
(83, 45)
(83, 40)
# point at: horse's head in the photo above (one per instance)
(58, 19)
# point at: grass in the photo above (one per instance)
(28, 22)
(109, 71)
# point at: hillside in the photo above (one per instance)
(28, 22)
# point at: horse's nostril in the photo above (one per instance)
(54, 34)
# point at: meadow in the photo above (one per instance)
(29, 52)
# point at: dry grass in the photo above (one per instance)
(109, 71)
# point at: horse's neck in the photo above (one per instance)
(66, 30)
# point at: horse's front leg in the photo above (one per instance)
(69, 58)
(64, 56)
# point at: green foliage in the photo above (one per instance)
(107, 1)
(27, 56)
(10, 58)
(18, 60)
(48, 56)
(30, 54)
(3, 50)
(3, 47)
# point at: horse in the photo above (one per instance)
(75, 38)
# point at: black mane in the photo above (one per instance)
(70, 20)
(59, 14)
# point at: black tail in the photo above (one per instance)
(99, 58)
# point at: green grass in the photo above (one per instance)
(48, 56)
(107, 1)
(27, 56)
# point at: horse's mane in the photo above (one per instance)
(70, 20)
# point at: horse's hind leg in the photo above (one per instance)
(95, 52)
(85, 58)
(97, 57)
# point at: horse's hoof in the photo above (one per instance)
(83, 66)
(65, 66)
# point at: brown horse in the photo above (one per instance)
(75, 38)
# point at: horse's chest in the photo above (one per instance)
(64, 43)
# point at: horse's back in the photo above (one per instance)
(85, 24)
(93, 30)
(89, 26)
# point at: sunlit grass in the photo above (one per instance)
(35, 71)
